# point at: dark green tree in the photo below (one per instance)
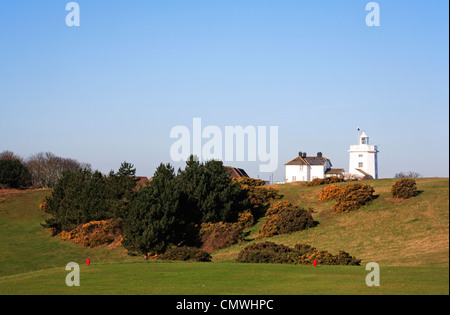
(154, 220)
(209, 192)
(13, 174)
(122, 186)
(83, 196)
(66, 205)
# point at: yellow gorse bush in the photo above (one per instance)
(256, 190)
(246, 219)
(44, 206)
(94, 233)
(352, 197)
(282, 217)
(329, 193)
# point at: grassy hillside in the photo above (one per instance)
(389, 231)
(409, 239)
(26, 246)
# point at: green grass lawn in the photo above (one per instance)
(409, 240)
(186, 278)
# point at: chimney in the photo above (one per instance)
(319, 154)
(300, 153)
(304, 155)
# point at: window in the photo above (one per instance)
(294, 178)
(360, 164)
(360, 155)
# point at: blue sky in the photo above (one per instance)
(113, 88)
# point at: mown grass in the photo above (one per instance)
(188, 278)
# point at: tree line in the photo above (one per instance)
(42, 169)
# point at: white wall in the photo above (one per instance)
(305, 172)
(368, 158)
(300, 172)
(317, 171)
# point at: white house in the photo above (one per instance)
(364, 158)
(306, 168)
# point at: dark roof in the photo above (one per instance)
(337, 171)
(297, 161)
(315, 160)
(308, 160)
(236, 172)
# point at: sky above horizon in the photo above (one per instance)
(112, 89)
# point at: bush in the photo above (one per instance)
(282, 218)
(306, 254)
(353, 197)
(325, 181)
(43, 206)
(256, 191)
(329, 193)
(301, 254)
(334, 179)
(316, 182)
(404, 188)
(220, 235)
(93, 234)
(13, 174)
(246, 219)
(265, 252)
(185, 253)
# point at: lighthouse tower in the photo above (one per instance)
(363, 157)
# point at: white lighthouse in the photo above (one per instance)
(363, 158)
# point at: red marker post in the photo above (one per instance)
(88, 262)
(315, 263)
